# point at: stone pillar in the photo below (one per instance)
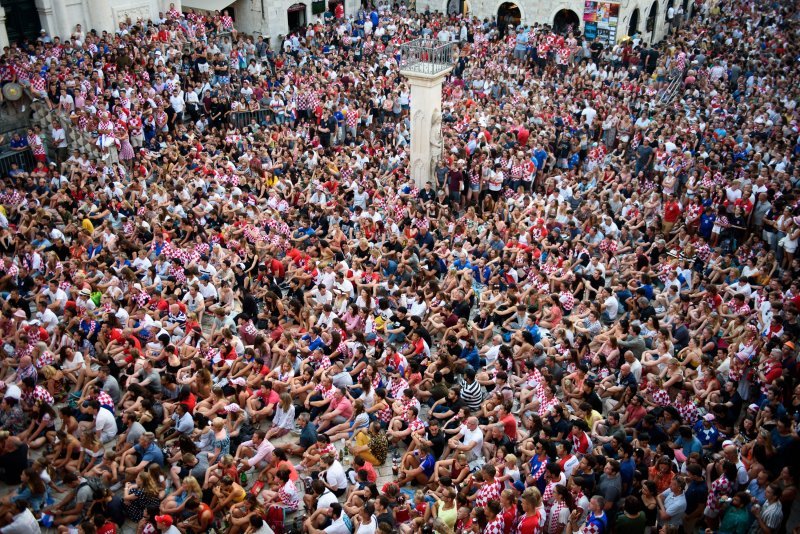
(3, 33)
(426, 123)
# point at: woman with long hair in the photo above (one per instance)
(32, 490)
(176, 501)
(283, 420)
(139, 496)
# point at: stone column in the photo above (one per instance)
(3, 33)
(426, 123)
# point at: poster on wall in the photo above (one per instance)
(600, 20)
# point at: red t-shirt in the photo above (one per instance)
(671, 212)
(190, 402)
(510, 427)
(528, 524)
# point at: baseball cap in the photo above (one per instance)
(166, 519)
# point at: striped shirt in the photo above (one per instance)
(471, 394)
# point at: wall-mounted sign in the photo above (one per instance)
(600, 20)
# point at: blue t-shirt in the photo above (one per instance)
(689, 445)
(427, 464)
(151, 454)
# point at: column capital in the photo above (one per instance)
(423, 79)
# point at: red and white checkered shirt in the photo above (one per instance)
(398, 386)
(545, 405)
(547, 496)
(38, 394)
(416, 425)
(45, 358)
(495, 527)
(105, 400)
(567, 300)
(721, 486)
(661, 397)
(488, 492)
(12, 271)
(688, 412)
(744, 309)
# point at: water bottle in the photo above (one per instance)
(243, 478)
(341, 450)
(395, 464)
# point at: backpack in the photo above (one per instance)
(97, 485)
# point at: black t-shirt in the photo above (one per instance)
(596, 48)
(561, 426)
(395, 246)
(427, 195)
(424, 334)
(61, 251)
(21, 304)
(438, 443)
(595, 401)
(462, 309)
(330, 124)
(220, 67)
(386, 517)
(25, 284)
(401, 323)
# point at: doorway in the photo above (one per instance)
(508, 14)
(296, 15)
(22, 20)
(652, 16)
(456, 7)
(565, 21)
(633, 25)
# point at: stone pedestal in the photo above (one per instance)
(3, 32)
(426, 123)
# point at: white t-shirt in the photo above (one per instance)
(338, 527)
(368, 528)
(588, 114)
(326, 499)
(335, 476)
(612, 306)
(476, 437)
(106, 424)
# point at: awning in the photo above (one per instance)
(207, 5)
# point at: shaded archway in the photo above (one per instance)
(633, 25)
(566, 20)
(296, 16)
(457, 7)
(508, 14)
(652, 17)
(22, 20)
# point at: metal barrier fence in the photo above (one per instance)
(427, 56)
(23, 158)
(240, 119)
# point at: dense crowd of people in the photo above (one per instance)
(237, 311)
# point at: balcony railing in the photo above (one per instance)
(427, 56)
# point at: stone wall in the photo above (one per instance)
(544, 12)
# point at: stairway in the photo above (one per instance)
(675, 83)
(43, 117)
